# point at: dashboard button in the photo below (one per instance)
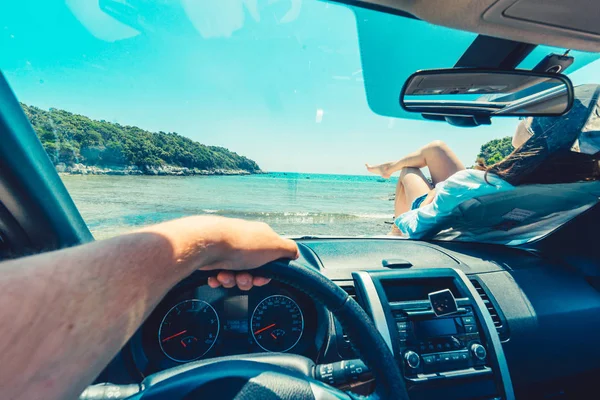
(478, 351)
(412, 359)
(429, 360)
(455, 357)
(445, 358)
(470, 328)
(468, 320)
(456, 343)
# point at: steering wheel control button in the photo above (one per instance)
(412, 359)
(343, 372)
(478, 351)
(354, 369)
(109, 391)
(325, 374)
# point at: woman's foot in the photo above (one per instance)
(395, 231)
(382, 169)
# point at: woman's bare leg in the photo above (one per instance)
(401, 205)
(411, 185)
(437, 156)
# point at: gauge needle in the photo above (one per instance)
(174, 336)
(273, 336)
(264, 329)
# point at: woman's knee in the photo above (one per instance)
(407, 171)
(436, 145)
(410, 174)
(436, 150)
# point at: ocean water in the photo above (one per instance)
(292, 203)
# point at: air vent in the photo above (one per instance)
(497, 318)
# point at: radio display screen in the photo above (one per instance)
(435, 327)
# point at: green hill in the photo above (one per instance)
(75, 139)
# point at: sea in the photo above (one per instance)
(292, 203)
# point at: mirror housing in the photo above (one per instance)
(471, 96)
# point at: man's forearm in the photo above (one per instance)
(67, 313)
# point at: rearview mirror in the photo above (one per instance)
(484, 93)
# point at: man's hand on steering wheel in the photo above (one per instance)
(241, 245)
(251, 244)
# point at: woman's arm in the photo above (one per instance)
(65, 314)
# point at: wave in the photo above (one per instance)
(297, 216)
(284, 222)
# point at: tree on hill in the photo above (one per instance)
(71, 138)
(495, 150)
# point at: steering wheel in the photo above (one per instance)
(284, 376)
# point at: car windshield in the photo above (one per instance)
(258, 109)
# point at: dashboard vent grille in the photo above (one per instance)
(496, 317)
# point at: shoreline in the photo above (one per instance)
(163, 170)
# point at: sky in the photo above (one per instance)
(296, 85)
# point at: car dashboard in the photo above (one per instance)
(512, 333)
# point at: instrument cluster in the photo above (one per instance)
(200, 322)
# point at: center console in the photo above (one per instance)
(439, 330)
(439, 347)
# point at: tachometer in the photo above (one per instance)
(277, 323)
(189, 330)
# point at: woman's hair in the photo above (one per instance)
(522, 162)
(514, 167)
(535, 162)
(546, 157)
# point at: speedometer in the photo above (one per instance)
(277, 323)
(189, 330)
